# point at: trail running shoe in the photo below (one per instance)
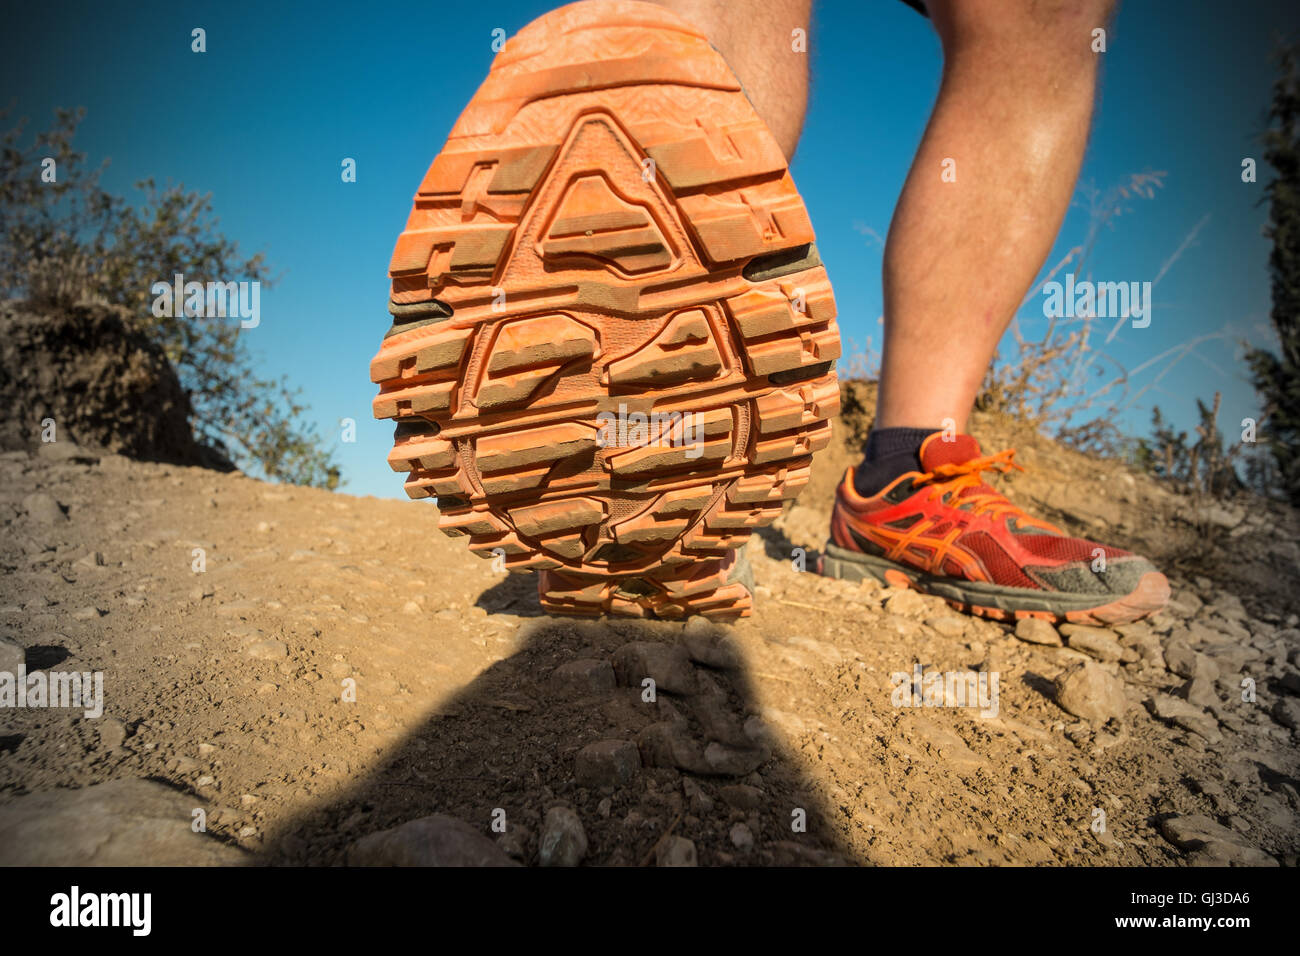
(944, 531)
(612, 348)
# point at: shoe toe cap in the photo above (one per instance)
(1118, 577)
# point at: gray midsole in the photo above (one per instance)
(854, 565)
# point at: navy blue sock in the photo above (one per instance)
(889, 452)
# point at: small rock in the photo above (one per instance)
(1286, 711)
(1106, 839)
(12, 656)
(1185, 603)
(1199, 632)
(734, 761)
(702, 626)
(1137, 629)
(676, 851)
(1229, 606)
(436, 840)
(742, 838)
(64, 450)
(607, 763)
(1187, 716)
(43, 509)
(112, 733)
(585, 676)
(904, 602)
(1232, 629)
(701, 803)
(947, 625)
(667, 665)
(710, 646)
(742, 796)
(1200, 692)
(124, 822)
(944, 744)
(1187, 663)
(515, 842)
(1096, 642)
(563, 841)
(268, 650)
(1090, 692)
(669, 744)
(786, 853)
(1214, 845)
(1147, 647)
(759, 733)
(88, 614)
(1035, 630)
(718, 719)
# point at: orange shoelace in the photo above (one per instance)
(956, 479)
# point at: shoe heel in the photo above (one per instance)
(716, 588)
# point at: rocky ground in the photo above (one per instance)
(330, 681)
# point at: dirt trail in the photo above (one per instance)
(231, 685)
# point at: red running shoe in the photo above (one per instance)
(944, 531)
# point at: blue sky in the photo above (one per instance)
(284, 92)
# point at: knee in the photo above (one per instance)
(1027, 29)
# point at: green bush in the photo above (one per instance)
(1277, 376)
(69, 240)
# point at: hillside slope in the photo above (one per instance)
(231, 685)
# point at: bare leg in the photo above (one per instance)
(1013, 115)
(755, 37)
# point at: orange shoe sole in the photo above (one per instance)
(610, 232)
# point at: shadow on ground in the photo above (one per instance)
(710, 770)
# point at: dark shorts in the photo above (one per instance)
(918, 6)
